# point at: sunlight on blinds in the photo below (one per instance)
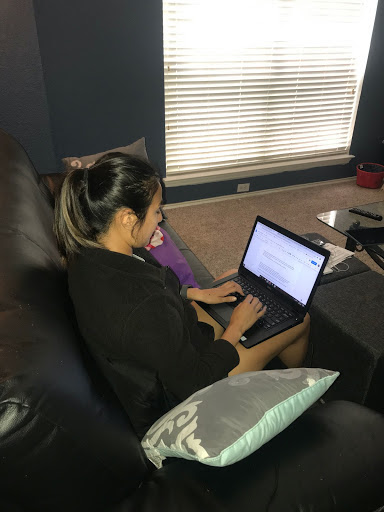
(261, 81)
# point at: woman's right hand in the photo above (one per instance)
(247, 313)
(243, 317)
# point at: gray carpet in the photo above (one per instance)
(217, 231)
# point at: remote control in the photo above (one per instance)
(365, 213)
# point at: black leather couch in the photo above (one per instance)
(67, 445)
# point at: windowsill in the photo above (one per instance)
(197, 177)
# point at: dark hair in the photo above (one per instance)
(89, 199)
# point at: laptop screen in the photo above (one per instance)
(282, 262)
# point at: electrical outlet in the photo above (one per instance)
(243, 187)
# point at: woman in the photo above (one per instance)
(133, 314)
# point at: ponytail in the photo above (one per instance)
(71, 226)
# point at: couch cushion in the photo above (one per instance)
(227, 421)
(23, 209)
(59, 421)
(75, 162)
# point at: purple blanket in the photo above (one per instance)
(168, 254)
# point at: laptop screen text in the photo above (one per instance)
(283, 262)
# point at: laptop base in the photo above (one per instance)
(222, 313)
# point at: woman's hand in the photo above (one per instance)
(243, 317)
(216, 295)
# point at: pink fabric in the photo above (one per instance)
(156, 239)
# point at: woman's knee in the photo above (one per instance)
(226, 274)
(303, 336)
(301, 331)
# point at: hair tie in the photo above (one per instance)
(85, 175)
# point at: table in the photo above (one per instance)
(347, 319)
(343, 220)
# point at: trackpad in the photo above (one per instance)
(221, 313)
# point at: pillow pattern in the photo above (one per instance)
(223, 423)
(75, 162)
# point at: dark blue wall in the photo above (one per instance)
(103, 68)
(23, 104)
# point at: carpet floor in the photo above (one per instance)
(217, 231)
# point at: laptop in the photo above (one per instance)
(280, 268)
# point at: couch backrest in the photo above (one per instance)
(65, 442)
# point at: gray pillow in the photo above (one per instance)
(223, 423)
(76, 162)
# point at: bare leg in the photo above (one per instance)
(294, 355)
(290, 346)
(204, 317)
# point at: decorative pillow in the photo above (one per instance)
(223, 423)
(75, 162)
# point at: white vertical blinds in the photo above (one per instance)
(261, 81)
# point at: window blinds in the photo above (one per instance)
(250, 82)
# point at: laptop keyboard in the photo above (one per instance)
(275, 313)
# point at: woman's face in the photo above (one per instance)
(143, 233)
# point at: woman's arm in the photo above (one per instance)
(155, 335)
(243, 316)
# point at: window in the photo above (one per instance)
(258, 86)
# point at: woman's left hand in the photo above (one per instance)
(216, 295)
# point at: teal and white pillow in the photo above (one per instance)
(223, 423)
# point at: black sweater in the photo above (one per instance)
(143, 334)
